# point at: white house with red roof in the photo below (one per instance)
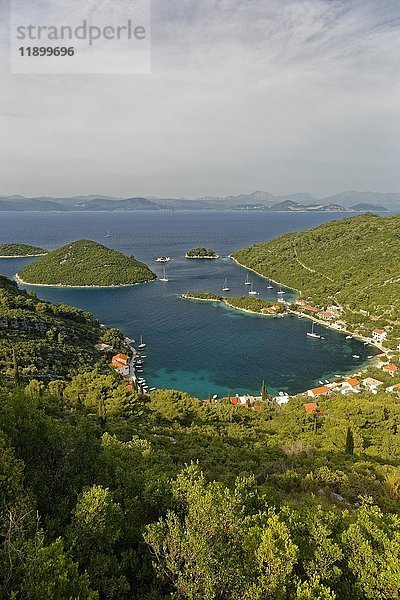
(379, 335)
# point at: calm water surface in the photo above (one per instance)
(193, 346)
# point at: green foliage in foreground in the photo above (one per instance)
(351, 262)
(172, 498)
(86, 263)
(20, 250)
(201, 252)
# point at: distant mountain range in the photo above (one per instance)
(259, 200)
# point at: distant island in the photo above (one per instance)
(345, 271)
(20, 251)
(201, 252)
(85, 264)
(351, 201)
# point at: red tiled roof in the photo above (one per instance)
(320, 390)
(310, 308)
(353, 382)
(310, 407)
(391, 367)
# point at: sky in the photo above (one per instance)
(279, 95)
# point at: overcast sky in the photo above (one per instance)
(243, 95)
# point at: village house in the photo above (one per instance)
(391, 369)
(393, 388)
(326, 316)
(282, 398)
(319, 391)
(379, 335)
(350, 385)
(311, 309)
(121, 363)
(311, 407)
(119, 360)
(371, 384)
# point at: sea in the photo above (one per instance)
(198, 347)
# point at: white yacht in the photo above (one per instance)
(247, 280)
(269, 286)
(252, 291)
(312, 333)
(142, 344)
(226, 288)
(164, 277)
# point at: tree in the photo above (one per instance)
(93, 535)
(17, 379)
(212, 547)
(264, 392)
(372, 546)
(349, 441)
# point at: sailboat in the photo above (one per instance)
(280, 291)
(312, 332)
(164, 277)
(252, 292)
(269, 286)
(226, 288)
(141, 345)
(108, 234)
(247, 281)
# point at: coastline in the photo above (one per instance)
(79, 287)
(225, 302)
(25, 255)
(263, 276)
(325, 324)
(202, 257)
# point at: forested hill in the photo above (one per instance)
(352, 261)
(49, 341)
(12, 250)
(86, 263)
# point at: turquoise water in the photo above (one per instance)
(198, 347)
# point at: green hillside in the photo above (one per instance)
(20, 250)
(352, 262)
(86, 263)
(49, 341)
(107, 493)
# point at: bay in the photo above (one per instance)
(197, 347)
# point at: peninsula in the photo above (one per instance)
(256, 306)
(85, 264)
(201, 252)
(344, 270)
(20, 251)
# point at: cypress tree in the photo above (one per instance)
(264, 392)
(349, 442)
(17, 379)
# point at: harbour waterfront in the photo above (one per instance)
(193, 346)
